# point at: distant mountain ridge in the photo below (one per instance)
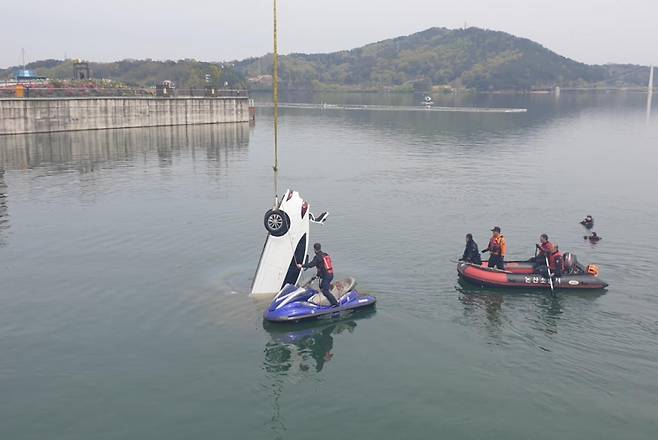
(471, 58)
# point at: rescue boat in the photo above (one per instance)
(521, 274)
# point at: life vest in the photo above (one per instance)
(498, 246)
(327, 264)
(555, 263)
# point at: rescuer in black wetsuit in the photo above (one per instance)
(322, 262)
(592, 238)
(471, 252)
(588, 222)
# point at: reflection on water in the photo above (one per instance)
(542, 109)
(294, 351)
(549, 312)
(484, 305)
(56, 165)
(302, 351)
(4, 210)
(85, 151)
(495, 310)
(297, 352)
(564, 101)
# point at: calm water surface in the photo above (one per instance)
(126, 258)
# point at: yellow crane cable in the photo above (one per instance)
(275, 96)
(275, 83)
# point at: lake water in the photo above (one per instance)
(126, 257)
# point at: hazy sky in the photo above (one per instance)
(590, 31)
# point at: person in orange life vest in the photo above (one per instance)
(544, 249)
(497, 248)
(322, 262)
(555, 263)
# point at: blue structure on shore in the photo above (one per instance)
(26, 75)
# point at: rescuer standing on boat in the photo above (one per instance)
(471, 254)
(497, 248)
(322, 262)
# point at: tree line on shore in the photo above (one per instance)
(459, 59)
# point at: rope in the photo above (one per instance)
(275, 93)
(275, 97)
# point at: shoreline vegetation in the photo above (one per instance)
(435, 61)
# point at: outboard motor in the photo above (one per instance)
(571, 263)
(569, 259)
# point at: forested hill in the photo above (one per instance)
(470, 58)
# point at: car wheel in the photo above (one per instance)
(276, 222)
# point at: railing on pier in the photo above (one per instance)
(72, 92)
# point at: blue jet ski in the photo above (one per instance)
(294, 304)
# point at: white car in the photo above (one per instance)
(286, 244)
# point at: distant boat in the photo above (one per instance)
(428, 100)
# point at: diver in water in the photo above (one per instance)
(593, 238)
(471, 253)
(322, 262)
(588, 222)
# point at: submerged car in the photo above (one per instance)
(286, 244)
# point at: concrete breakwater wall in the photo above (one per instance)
(46, 115)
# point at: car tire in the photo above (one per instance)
(276, 222)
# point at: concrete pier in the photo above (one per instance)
(47, 115)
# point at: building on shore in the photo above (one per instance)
(28, 77)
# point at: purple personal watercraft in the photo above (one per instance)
(294, 304)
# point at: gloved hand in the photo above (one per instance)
(537, 245)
